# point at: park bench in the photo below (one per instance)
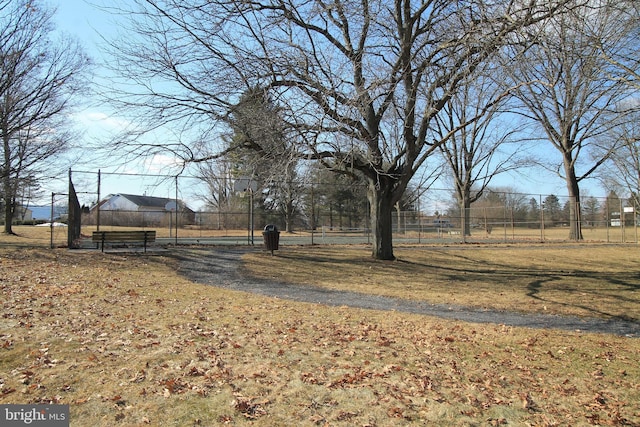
(143, 236)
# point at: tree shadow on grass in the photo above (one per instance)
(538, 282)
(536, 290)
(224, 268)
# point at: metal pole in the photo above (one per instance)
(635, 223)
(622, 222)
(486, 225)
(248, 218)
(513, 226)
(504, 220)
(250, 223)
(51, 221)
(71, 218)
(313, 214)
(419, 221)
(541, 219)
(251, 214)
(177, 209)
(98, 205)
(606, 219)
(635, 220)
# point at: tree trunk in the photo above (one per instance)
(381, 207)
(575, 226)
(8, 209)
(6, 186)
(465, 206)
(288, 216)
(575, 223)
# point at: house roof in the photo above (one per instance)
(150, 201)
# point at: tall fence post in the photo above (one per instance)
(504, 222)
(177, 210)
(635, 219)
(313, 215)
(541, 219)
(622, 227)
(98, 205)
(606, 221)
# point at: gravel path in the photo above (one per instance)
(222, 267)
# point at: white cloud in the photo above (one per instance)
(161, 163)
(104, 122)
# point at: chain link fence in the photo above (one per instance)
(319, 216)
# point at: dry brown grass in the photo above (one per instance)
(584, 280)
(28, 236)
(126, 341)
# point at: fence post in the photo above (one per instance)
(513, 226)
(606, 220)
(486, 226)
(504, 222)
(635, 218)
(313, 214)
(98, 205)
(541, 219)
(177, 210)
(622, 237)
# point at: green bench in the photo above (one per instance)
(141, 236)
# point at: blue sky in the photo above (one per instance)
(88, 24)
(81, 19)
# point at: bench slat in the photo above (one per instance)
(144, 236)
(123, 235)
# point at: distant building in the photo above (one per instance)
(22, 214)
(134, 210)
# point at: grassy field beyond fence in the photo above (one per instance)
(126, 341)
(57, 237)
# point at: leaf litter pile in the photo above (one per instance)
(125, 341)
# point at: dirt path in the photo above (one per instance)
(223, 267)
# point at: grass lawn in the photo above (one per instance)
(594, 280)
(126, 341)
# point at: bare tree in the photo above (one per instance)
(219, 188)
(475, 136)
(622, 172)
(623, 169)
(496, 207)
(38, 80)
(267, 152)
(622, 55)
(571, 97)
(362, 81)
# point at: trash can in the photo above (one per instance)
(271, 237)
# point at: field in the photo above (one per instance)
(325, 235)
(125, 340)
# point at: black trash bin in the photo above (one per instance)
(271, 237)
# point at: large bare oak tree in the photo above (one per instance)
(360, 80)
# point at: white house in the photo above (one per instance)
(141, 210)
